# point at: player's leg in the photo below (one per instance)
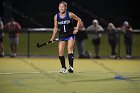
(16, 41)
(70, 53)
(15, 50)
(96, 43)
(96, 49)
(113, 46)
(12, 46)
(80, 44)
(128, 48)
(61, 47)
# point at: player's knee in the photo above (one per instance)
(61, 51)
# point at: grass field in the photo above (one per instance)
(41, 75)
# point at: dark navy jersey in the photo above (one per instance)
(65, 25)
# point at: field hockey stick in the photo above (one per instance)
(46, 43)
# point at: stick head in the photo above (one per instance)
(37, 45)
(40, 45)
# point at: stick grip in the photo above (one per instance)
(50, 42)
(53, 40)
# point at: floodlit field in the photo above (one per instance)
(41, 75)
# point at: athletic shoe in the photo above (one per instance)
(13, 55)
(63, 70)
(113, 56)
(70, 70)
(1, 55)
(128, 56)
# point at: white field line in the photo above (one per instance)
(11, 73)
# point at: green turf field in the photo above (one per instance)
(41, 75)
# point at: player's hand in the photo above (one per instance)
(75, 31)
(51, 40)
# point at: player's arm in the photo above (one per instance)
(131, 29)
(73, 16)
(6, 26)
(18, 26)
(55, 28)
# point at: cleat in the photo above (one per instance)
(70, 70)
(128, 56)
(113, 56)
(63, 70)
(1, 55)
(13, 55)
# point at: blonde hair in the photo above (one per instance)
(62, 2)
(111, 26)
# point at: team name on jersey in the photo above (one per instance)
(64, 22)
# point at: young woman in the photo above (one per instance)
(128, 38)
(63, 22)
(112, 39)
(12, 25)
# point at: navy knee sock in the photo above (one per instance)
(62, 61)
(71, 58)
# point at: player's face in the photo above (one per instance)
(62, 8)
(95, 24)
(126, 25)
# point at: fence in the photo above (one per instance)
(29, 37)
